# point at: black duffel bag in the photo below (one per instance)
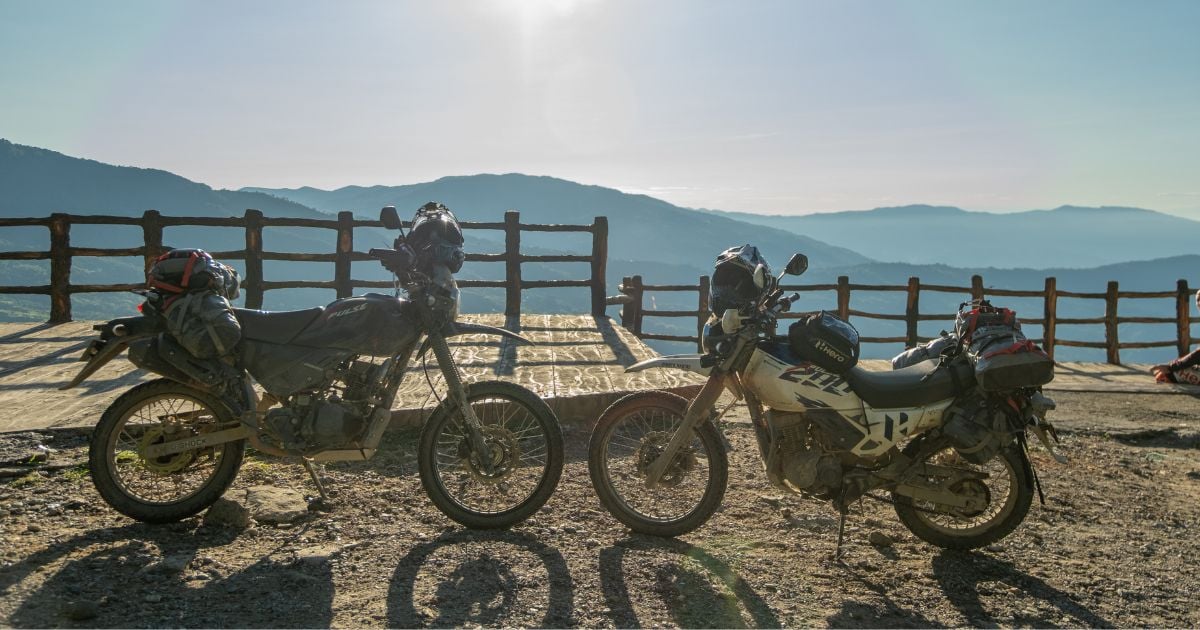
(825, 340)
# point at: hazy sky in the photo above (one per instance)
(782, 107)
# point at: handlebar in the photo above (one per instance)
(785, 303)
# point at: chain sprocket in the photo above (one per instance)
(167, 464)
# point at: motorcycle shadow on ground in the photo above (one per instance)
(124, 579)
(960, 575)
(480, 577)
(687, 587)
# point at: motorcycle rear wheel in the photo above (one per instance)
(168, 488)
(1010, 492)
(527, 450)
(625, 441)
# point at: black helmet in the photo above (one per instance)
(436, 237)
(733, 278)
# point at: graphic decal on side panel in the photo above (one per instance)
(819, 379)
(892, 424)
(811, 403)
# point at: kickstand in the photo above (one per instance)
(312, 472)
(837, 555)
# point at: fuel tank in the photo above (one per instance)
(373, 324)
(786, 382)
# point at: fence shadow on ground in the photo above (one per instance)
(123, 583)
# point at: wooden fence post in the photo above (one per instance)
(345, 249)
(1183, 320)
(843, 297)
(702, 314)
(152, 232)
(1049, 315)
(60, 268)
(254, 262)
(636, 292)
(626, 306)
(599, 264)
(512, 263)
(1111, 339)
(976, 287)
(912, 311)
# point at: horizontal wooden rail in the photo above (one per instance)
(61, 254)
(633, 311)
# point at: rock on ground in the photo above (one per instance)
(268, 504)
(227, 513)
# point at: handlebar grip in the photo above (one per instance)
(376, 252)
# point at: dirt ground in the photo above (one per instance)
(1115, 545)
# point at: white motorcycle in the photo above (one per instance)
(953, 457)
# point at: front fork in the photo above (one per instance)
(457, 393)
(697, 412)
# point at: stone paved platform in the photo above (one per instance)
(577, 367)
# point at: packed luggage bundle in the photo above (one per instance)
(944, 343)
(825, 340)
(186, 270)
(192, 291)
(1003, 357)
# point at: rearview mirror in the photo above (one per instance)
(797, 265)
(390, 219)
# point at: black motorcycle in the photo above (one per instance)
(490, 454)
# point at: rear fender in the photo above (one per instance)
(696, 363)
(115, 337)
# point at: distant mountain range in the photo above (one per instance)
(664, 243)
(1067, 236)
(641, 228)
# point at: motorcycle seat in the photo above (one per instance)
(275, 326)
(909, 387)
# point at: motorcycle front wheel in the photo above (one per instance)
(1008, 489)
(525, 447)
(172, 487)
(628, 437)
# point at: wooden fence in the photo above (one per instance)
(152, 223)
(633, 312)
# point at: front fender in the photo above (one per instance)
(696, 363)
(464, 328)
(454, 329)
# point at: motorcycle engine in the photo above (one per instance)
(800, 455)
(319, 423)
(328, 418)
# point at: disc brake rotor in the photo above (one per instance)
(166, 464)
(653, 444)
(503, 449)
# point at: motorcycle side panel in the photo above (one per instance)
(373, 324)
(286, 369)
(783, 381)
(885, 427)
